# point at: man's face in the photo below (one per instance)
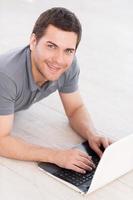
(53, 54)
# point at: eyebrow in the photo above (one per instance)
(72, 49)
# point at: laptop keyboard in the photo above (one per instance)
(76, 178)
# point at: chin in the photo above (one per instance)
(53, 78)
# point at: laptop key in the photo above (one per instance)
(74, 178)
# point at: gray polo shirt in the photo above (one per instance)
(18, 89)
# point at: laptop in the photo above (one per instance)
(117, 160)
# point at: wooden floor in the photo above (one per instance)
(105, 58)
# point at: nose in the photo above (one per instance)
(58, 58)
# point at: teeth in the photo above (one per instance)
(53, 68)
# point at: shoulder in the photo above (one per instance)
(72, 71)
(10, 61)
(74, 68)
(13, 64)
(68, 82)
(7, 85)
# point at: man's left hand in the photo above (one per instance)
(97, 141)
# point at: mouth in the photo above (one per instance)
(53, 68)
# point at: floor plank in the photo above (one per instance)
(105, 59)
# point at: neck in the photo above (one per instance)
(40, 84)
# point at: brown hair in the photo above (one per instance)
(59, 17)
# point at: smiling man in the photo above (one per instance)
(30, 74)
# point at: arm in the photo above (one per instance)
(10, 146)
(77, 114)
(81, 122)
(16, 148)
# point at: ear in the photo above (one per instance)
(33, 41)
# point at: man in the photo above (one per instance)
(32, 73)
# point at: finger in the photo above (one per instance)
(105, 142)
(78, 169)
(84, 166)
(85, 155)
(98, 151)
(111, 141)
(87, 162)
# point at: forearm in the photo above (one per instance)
(81, 122)
(16, 148)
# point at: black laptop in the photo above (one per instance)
(82, 181)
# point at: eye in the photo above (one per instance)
(51, 46)
(69, 51)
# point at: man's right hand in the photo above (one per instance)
(74, 159)
(16, 148)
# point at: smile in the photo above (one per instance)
(53, 68)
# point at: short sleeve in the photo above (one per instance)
(69, 81)
(7, 95)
